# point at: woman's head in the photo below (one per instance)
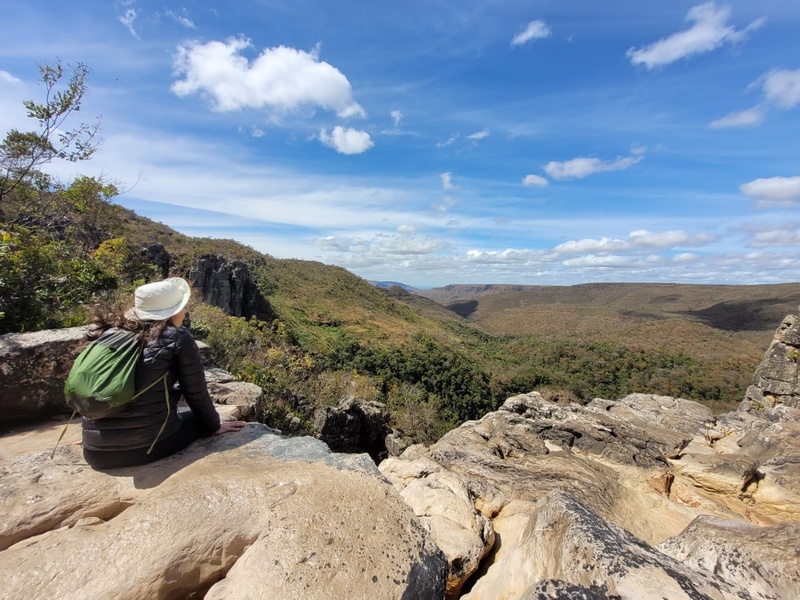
(160, 300)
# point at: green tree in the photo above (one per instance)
(24, 153)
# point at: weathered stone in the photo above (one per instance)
(777, 378)
(353, 426)
(245, 515)
(563, 541)
(765, 561)
(618, 431)
(226, 284)
(395, 443)
(156, 254)
(442, 502)
(241, 394)
(33, 367)
(727, 474)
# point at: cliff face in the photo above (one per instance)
(225, 284)
(777, 379)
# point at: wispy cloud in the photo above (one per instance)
(451, 140)
(182, 19)
(535, 30)
(534, 180)
(581, 167)
(8, 77)
(478, 135)
(773, 191)
(709, 31)
(743, 118)
(282, 79)
(128, 18)
(447, 181)
(781, 89)
(346, 140)
(397, 117)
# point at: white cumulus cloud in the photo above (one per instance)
(346, 140)
(668, 239)
(788, 235)
(771, 191)
(535, 30)
(709, 31)
(534, 180)
(588, 245)
(641, 238)
(280, 78)
(581, 167)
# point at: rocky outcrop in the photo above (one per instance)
(578, 496)
(33, 367)
(226, 284)
(753, 557)
(157, 255)
(559, 548)
(777, 379)
(245, 515)
(353, 426)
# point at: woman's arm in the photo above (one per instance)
(193, 381)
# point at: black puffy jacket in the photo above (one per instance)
(138, 424)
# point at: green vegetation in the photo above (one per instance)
(322, 334)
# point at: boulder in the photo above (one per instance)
(442, 502)
(33, 367)
(625, 432)
(559, 548)
(751, 557)
(244, 515)
(353, 425)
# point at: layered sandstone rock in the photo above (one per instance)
(578, 496)
(245, 515)
(777, 378)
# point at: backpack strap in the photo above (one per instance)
(63, 431)
(164, 424)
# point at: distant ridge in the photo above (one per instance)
(543, 310)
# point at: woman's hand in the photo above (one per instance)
(229, 426)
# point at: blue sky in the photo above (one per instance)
(431, 142)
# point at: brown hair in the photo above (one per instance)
(105, 317)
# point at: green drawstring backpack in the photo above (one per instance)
(102, 379)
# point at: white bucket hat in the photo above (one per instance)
(160, 300)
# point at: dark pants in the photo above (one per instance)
(112, 459)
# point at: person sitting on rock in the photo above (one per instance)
(150, 427)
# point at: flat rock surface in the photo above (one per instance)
(244, 515)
